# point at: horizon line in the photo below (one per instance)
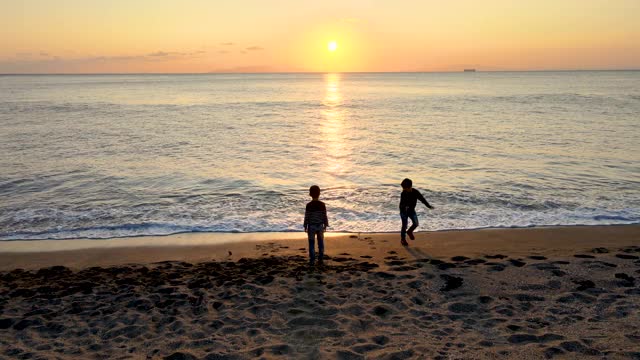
(317, 72)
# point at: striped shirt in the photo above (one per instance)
(316, 214)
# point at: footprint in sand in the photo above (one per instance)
(598, 265)
(451, 282)
(626, 257)
(459, 258)
(445, 265)
(381, 311)
(517, 263)
(584, 284)
(380, 339)
(396, 262)
(494, 266)
(627, 281)
(384, 275)
(475, 261)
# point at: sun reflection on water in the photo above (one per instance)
(333, 127)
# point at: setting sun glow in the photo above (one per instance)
(196, 36)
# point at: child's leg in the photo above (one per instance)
(414, 221)
(320, 245)
(403, 230)
(311, 232)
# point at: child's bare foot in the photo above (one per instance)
(410, 233)
(404, 242)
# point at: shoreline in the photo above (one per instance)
(292, 233)
(201, 247)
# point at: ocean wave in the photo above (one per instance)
(226, 205)
(341, 221)
(129, 231)
(105, 156)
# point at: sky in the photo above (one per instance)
(194, 36)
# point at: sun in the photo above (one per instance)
(332, 46)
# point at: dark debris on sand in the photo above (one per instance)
(279, 307)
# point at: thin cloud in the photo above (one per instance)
(159, 53)
(114, 58)
(257, 69)
(175, 54)
(254, 48)
(227, 44)
(41, 57)
(245, 69)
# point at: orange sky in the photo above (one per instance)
(87, 36)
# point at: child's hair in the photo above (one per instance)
(406, 183)
(314, 191)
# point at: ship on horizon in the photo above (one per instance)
(469, 70)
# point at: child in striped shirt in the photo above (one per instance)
(315, 224)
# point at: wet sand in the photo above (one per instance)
(565, 292)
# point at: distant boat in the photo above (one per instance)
(469, 70)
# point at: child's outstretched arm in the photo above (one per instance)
(424, 201)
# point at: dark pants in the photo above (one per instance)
(313, 231)
(409, 214)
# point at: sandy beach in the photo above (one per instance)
(557, 292)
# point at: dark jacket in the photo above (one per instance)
(316, 214)
(409, 199)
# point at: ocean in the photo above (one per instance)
(102, 156)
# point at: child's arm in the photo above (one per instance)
(424, 201)
(306, 220)
(326, 219)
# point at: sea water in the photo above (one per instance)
(103, 156)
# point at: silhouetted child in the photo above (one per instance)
(408, 200)
(315, 224)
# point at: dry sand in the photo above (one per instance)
(561, 292)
